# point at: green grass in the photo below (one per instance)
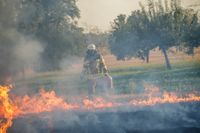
(184, 76)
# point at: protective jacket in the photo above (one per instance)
(94, 63)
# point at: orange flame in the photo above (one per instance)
(48, 101)
(154, 96)
(44, 102)
(6, 109)
(97, 103)
(165, 98)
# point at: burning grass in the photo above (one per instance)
(48, 101)
(6, 109)
(179, 117)
(137, 80)
(183, 79)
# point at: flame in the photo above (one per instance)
(154, 96)
(97, 103)
(6, 109)
(44, 102)
(49, 101)
(165, 98)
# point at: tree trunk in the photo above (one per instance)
(147, 57)
(166, 59)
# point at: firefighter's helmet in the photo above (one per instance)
(91, 47)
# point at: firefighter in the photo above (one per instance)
(95, 70)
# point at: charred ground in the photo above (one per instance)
(165, 118)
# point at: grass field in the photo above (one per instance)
(128, 76)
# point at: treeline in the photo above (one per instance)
(47, 29)
(161, 24)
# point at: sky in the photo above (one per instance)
(100, 13)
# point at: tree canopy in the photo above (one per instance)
(163, 24)
(52, 24)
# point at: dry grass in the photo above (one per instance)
(156, 57)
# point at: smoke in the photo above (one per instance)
(159, 118)
(19, 52)
(68, 82)
(23, 61)
(20, 55)
(28, 51)
(72, 63)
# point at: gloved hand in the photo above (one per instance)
(105, 70)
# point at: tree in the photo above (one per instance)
(119, 37)
(100, 39)
(160, 25)
(190, 32)
(53, 23)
